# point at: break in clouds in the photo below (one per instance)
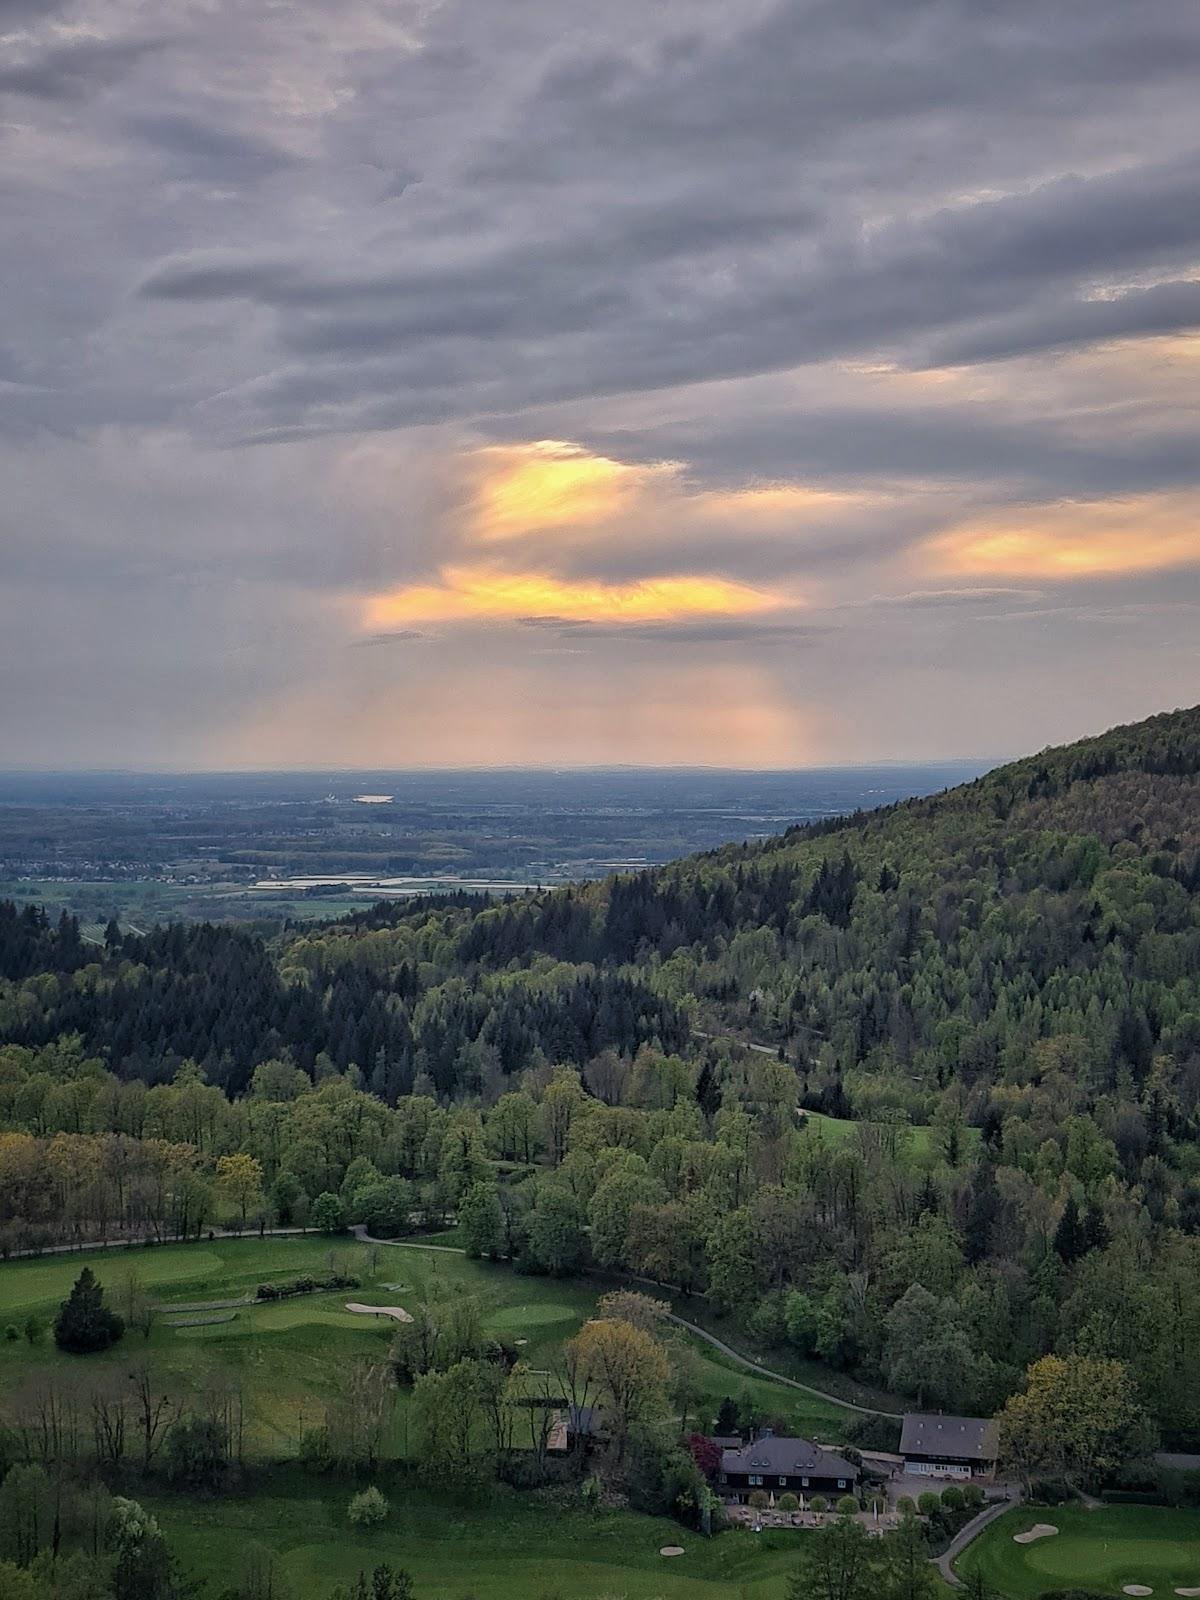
(752, 384)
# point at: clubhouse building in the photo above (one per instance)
(949, 1447)
(779, 1465)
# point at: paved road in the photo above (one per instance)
(149, 1239)
(945, 1562)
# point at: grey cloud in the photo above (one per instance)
(1161, 309)
(202, 150)
(720, 630)
(71, 71)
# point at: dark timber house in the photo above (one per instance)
(949, 1447)
(782, 1466)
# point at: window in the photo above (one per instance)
(783, 1483)
(724, 1477)
(804, 1483)
(756, 1478)
(841, 1483)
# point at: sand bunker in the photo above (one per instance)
(1040, 1530)
(1188, 1593)
(397, 1313)
(671, 1550)
(1135, 1588)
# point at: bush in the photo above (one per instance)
(953, 1498)
(788, 1502)
(973, 1496)
(1050, 1492)
(759, 1499)
(367, 1509)
(12, 1333)
(906, 1505)
(819, 1503)
(847, 1506)
(928, 1503)
(873, 1433)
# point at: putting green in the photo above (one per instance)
(516, 1319)
(1104, 1550)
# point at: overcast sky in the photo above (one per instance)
(427, 382)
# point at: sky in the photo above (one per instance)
(430, 383)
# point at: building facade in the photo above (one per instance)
(779, 1465)
(949, 1447)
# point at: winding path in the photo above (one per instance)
(965, 1536)
(777, 1377)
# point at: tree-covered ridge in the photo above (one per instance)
(393, 1001)
(995, 992)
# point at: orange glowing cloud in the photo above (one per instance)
(470, 593)
(549, 484)
(528, 489)
(1075, 539)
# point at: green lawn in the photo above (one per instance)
(287, 1355)
(922, 1141)
(497, 1546)
(1101, 1550)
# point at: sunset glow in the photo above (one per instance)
(467, 593)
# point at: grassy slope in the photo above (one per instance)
(1102, 1550)
(288, 1355)
(499, 1546)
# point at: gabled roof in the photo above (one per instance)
(963, 1438)
(786, 1457)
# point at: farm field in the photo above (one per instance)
(1103, 1550)
(287, 1356)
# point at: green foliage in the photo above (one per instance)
(196, 1452)
(84, 1323)
(367, 1509)
(481, 1221)
(326, 1213)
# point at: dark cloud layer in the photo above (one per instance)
(274, 276)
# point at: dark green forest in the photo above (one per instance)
(974, 1137)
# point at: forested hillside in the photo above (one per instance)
(988, 1002)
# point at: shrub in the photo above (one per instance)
(367, 1509)
(973, 1496)
(928, 1503)
(12, 1333)
(758, 1499)
(1050, 1492)
(819, 1502)
(952, 1498)
(906, 1505)
(788, 1502)
(847, 1506)
(33, 1330)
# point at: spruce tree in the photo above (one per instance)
(84, 1323)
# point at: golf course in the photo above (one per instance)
(1112, 1550)
(286, 1355)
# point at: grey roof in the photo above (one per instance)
(963, 1438)
(781, 1456)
